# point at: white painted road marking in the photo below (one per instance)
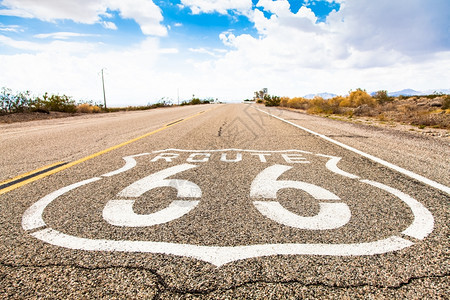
(32, 218)
(421, 226)
(413, 175)
(219, 256)
(266, 185)
(121, 213)
(332, 166)
(423, 220)
(130, 163)
(330, 216)
(185, 189)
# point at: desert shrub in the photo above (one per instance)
(318, 105)
(84, 108)
(87, 108)
(446, 102)
(431, 120)
(317, 101)
(382, 96)
(357, 98)
(194, 101)
(284, 101)
(364, 110)
(345, 102)
(406, 108)
(315, 110)
(272, 100)
(14, 102)
(298, 103)
(335, 101)
(56, 103)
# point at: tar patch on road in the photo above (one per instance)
(31, 175)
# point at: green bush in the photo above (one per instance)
(22, 102)
(196, 101)
(382, 96)
(14, 103)
(272, 100)
(57, 103)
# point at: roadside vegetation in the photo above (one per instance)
(23, 103)
(196, 101)
(422, 111)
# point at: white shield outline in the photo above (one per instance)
(421, 226)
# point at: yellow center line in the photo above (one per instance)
(71, 164)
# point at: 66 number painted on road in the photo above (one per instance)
(333, 212)
(265, 185)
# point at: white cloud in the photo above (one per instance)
(83, 11)
(55, 47)
(363, 34)
(219, 6)
(10, 28)
(369, 44)
(109, 25)
(61, 35)
(411, 27)
(210, 52)
(144, 12)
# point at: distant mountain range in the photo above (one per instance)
(323, 95)
(405, 92)
(411, 92)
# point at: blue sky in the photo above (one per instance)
(222, 49)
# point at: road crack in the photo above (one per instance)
(163, 287)
(219, 133)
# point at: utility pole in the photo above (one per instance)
(178, 95)
(103, 84)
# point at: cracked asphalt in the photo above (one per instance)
(222, 202)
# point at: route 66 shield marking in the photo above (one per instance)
(334, 213)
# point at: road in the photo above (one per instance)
(221, 202)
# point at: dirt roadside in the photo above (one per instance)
(34, 116)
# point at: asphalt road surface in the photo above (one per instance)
(221, 202)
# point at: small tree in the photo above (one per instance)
(381, 96)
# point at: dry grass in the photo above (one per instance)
(86, 108)
(424, 111)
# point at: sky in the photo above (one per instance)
(228, 49)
